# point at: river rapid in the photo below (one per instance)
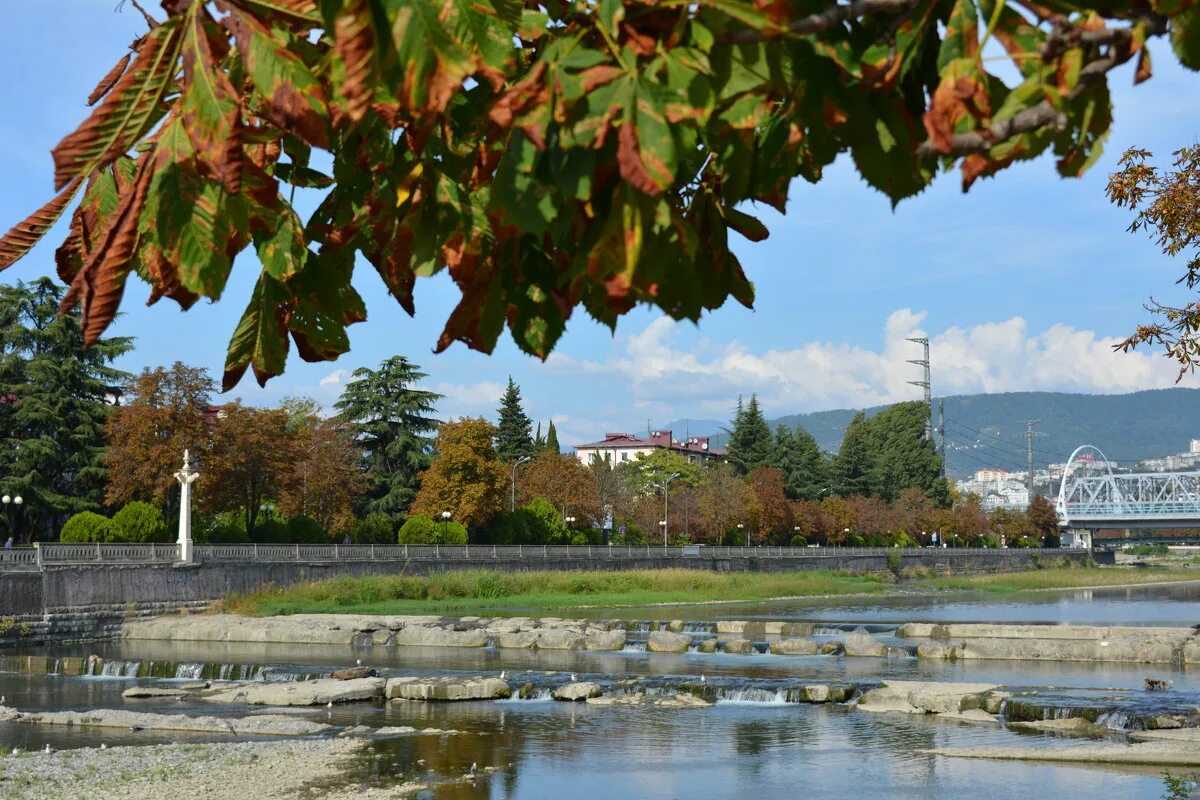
(751, 743)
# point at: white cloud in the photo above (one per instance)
(335, 378)
(468, 399)
(668, 377)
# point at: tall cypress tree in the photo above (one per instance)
(55, 396)
(392, 421)
(853, 466)
(755, 445)
(552, 439)
(514, 438)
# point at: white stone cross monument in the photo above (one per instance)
(186, 477)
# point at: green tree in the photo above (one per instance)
(853, 466)
(392, 422)
(375, 528)
(800, 459)
(750, 444)
(513, 432)
(420, 529)
(552, 439)
(901, 456)
(87, 526)
(55, 397)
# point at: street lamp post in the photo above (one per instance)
(445, 519)
(15, 502)
(795, 531)
(664, 486)
(740, 527)
(512, 505)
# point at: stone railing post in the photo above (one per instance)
(255, 546)
(98, 556)
(335, 552)
(37, 552)
(372, 551)
(297, 552)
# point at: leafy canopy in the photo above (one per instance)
(547, 155)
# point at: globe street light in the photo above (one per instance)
(445, 519)
(16, 501)
(740, 526)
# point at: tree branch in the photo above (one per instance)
(824, 20)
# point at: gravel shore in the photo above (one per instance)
(227, 771)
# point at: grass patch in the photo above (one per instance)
(1057, 578)
(469, 591)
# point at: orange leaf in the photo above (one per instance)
(25, 234)
(108, 81)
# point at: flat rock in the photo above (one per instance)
(740, 647)
(299, 693)
(1191, 735)
(925, 697)
(559, 639)
(351, 673)
(447, 689)
(706, 646)
(667, 642)
(795, 647)
(428, 636)
(405, 730)
(262, 725)
(577, 691)
(139, 692)
(1157, 753)
(970, 715)
(861, 643)
(518, 640)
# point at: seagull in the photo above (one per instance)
(2, 699)
(103, 746)
(329, 704)
(702, 679)
(573, 677)
(16, 751)
(358, 662)
(471, 771)
(503, 675)
(47, 749)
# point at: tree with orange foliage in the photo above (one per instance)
(774, 519)
(252, 449)
(164, 414)
(562, 481)
(466, 478)
(326, 475)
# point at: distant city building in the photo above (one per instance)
(619, 447)
(997, 488)
(1194, 446)
(989, 475)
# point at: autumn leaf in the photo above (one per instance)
(210, 109)
(21, 238)
(261, 335)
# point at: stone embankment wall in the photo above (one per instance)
(64, 603)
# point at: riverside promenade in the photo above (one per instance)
(58, 592)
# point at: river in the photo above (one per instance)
(750, 744)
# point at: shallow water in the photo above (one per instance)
(750, 744)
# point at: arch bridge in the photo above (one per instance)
(1093, 497)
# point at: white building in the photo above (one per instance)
(998, 488)
(618, 447)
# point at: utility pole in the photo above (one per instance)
(925, 383)
(941, 433)
(1030, 435)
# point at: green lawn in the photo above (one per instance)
(463, 592)
(476, 592)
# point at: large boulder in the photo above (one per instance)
(424, 636)
(707, 645)
(740, 647)
(517, 640)
(667, 642)
(926, 697)
(299, 693)
(576, 692)
(605, 640)
(559, 639)
(447, 689)
(352, 673)
(861, 643)
(795, 647)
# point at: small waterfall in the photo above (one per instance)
(120, 669)
(190, 671)
(752, 696)
(634, 647)
(824, 630)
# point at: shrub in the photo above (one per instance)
(269, 529)
(1148, 550)
(87, 526)
(228, 527)
(1027, 542)
(417, 529)
(894, 561)
(546, 523)
(374, 529)
(798, 541)
(513, 528)
(140, 522)
(451, 533)
(303, 529)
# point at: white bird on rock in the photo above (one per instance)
(573, 677)
(47, 749)
(329, 704)
(471, 771)
(358, 662)
(702, 678)
(503, 675)
(103, 746)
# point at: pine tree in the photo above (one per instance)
(735, 431)
(513, 434)
(811, 479)
(391, 421)
(755, 445)
(55, 396)
(853, 466)
(802, 462)
(552, 439)
(901, 455)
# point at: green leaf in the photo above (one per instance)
(324, 304)
(1185, 36)
(962, 34)
(210, 109)
(261, 335)
(282, 249)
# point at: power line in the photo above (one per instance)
(999, 440)
(1011, 457)
(998, 458)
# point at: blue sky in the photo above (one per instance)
(1022, 284)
